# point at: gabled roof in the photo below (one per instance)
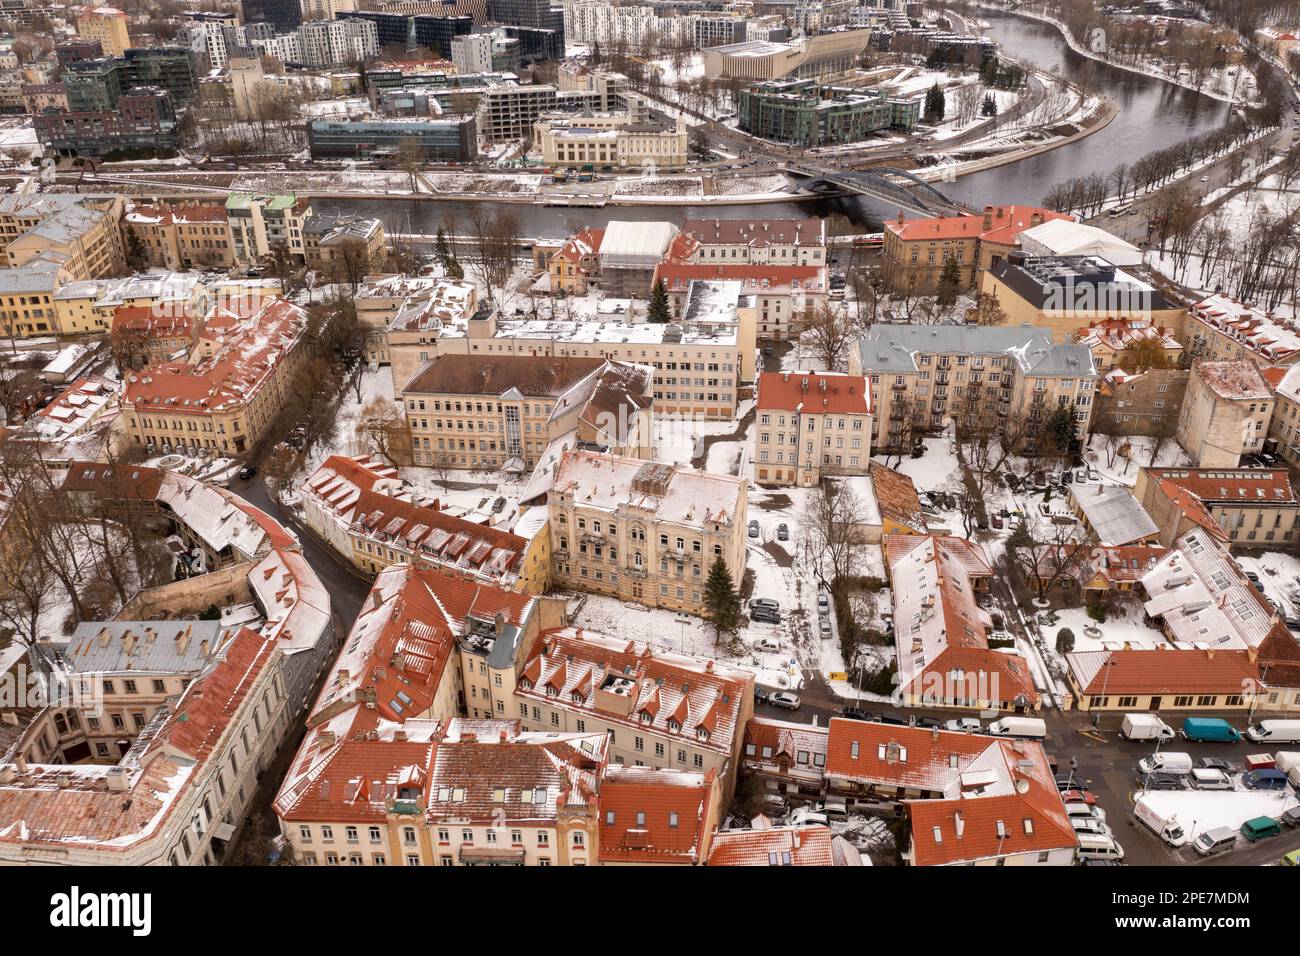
(1162, 670)
(655, 816)
(495, 375)
(1006, 223)
(778, 846)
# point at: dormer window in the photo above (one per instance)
(674, 725)
(702, 733)
(552, 692)
(577, 698)
(645, 717)
(526, 684)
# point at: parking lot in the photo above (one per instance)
(1109, 766)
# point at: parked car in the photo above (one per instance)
(1089, 825)
(1292, 858)
(1079, 796)
(996, 521)
(765, 614)
(964, 725)
(753, 529)
(1264, 780)
(1161, 781)
(823, 603)
(856, 713)
(760, 694)
(1084, 811)
(782, 532)
(1260, 828)
(929, 723)
(248, 471)
(783, 698)
(824, 628)
(1070, 781)
(892, 719)
(1292, 817)
(766, 644)
(756, 603)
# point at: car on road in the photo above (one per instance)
(1162, 781)
(766, 644)
(856, 713)
(894, 719)
(1205, 179)
(248, 471)
(760, 694)
(785, 699)
(823, 604)
(1292, 817)
(1202, 779)
(964, 725)
(782, 532)
(1265, 779)
(996, 521)
(753, 529)
(1292, 858)
(824, 628)
(928, 723)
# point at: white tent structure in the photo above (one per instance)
(1061, 237)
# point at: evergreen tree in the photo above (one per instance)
(935, 105)
(721, 600)
(1059, 430)
(658, 310)
(453, 269)
(990, 107)
(440, 250)
(949, 281)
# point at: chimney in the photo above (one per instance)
(182, 641)
(1036, 219)
(117, 778)
(128, 641)
(959, 824)
(504, 736)
(20, 763)
(499, 623)
(988, 217)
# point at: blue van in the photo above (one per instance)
(1265, 780)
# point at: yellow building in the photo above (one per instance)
(1226, 413)
(1068, 293)
(81, 229)
(90, 305)
(108, 26)
(183, 236)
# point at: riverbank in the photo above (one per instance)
(1068, 36)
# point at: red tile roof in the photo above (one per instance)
(811, 393)
(896, 497)
(912, 757)
(1163, 670)
(756, 278)
(1007, 224)
(655, 816)
(779, 846)
(1126, 563)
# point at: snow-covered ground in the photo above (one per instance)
(1202, 810)
(1132, 453)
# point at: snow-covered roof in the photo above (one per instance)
(1063, 237)
(1116, 517)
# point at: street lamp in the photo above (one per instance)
(1105, 680)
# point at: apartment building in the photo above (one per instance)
(1221, 328)
(80, 230)
(91, 305)
(808, 114)
(408, 339)
(1067, 293)
(781, 297)
(27, 297)
(1130, 342)
(1014, 816)
(345, 247)
(915, 250)
(1284, 429)
(1240, 507)
(508, 111)
(106, 26)
(979, 376)
(374, 520)
(700, 362)
(811, 424)
(222, 402)
(775, 242)
(1226, 414)
(188, 235)
(660, 710)
(502, 412)
(576, 263)
(1145, 403)
(261, 223)
(944, 658)
(644, 531)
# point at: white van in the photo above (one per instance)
(1166, 762)
(1034, 728)
(1096, 846)
(1275, 732)
(1215, 841)
(1210, 779)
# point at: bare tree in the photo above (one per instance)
(833, 537)
(827, 332)
(382, 429)
(1048, 553)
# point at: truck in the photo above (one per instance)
(1031, 727)
(1167, 762)
(1210, 728)
(1275, 732)
(1145, 727)
(1167, 828)
(1288, 761)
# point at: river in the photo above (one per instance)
(1153, 114)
